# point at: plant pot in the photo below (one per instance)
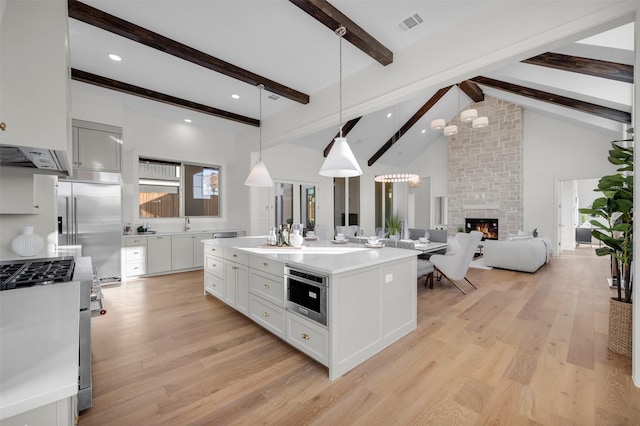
(620, 320)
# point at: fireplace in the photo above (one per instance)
(488, 227)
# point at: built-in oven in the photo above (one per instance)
(306, 293)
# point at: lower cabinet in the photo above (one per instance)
(308, 337)
(135, 256)
(213, 285)
(236, 280)
(267, 315)
(159, 254)
(187, 252)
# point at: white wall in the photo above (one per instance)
(553, 151)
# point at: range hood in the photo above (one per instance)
(37, 158)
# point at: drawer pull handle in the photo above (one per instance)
(265, 314)
(305, 336)
(234, 268)
(235, 255)
(265, 264)
(266, 286)
(213, 249)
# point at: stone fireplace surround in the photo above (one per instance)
(485, 168)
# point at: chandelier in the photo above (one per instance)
(412, 178)
(467, 116)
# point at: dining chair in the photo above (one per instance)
(454, 267)
(425, 267)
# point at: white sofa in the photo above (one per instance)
(525, 254)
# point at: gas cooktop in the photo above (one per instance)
(25, 273)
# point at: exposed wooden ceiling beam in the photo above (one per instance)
(413, 120)
(332, 18)
(130, 89)
(589, 108)
(472, 90)
(349, 125)
(107, 22)
(588, 66)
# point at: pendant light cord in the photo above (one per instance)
(341, 31)
(260, 86)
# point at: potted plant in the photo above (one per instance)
(613, 225)
(393, 226)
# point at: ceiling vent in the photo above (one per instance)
(410, 22)
(273, 97)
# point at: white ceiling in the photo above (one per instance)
(277, 40)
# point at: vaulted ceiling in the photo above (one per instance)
(185, 59)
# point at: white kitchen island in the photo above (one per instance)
(371, 300)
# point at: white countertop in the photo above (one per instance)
(320, 256)
(39, 328)
(190, 231)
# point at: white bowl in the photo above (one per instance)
(423, 240)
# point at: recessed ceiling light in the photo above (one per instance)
(187, 120)
(235, 96)
(389, 115)
(114, 57)
(423, 130)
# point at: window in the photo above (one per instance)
(161, 185)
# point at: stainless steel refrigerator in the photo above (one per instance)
(89, 214)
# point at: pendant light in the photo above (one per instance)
(340, 162)
(259, 175)
(467, 116)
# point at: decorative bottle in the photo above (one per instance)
(27, 243)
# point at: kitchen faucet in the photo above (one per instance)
(186, 223)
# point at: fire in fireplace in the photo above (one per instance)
(488, 227)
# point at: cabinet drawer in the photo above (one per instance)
(236, 255)
(214, 265)
(136, 268)
(267, 287)
(213, 250)
(308, 337)
(214, 285)
(135, 241)
(267, 265)
(136, 253)
(267, 315)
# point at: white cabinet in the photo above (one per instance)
(187, 251)
(34, 75)
(17, 191)
(308, 336)
(214, 272)
(236, 279)
(159, 254)
(96, 146)
(135, 256)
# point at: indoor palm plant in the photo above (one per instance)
(613, 226)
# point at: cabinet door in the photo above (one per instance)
(242, 289)
(198, 249)
(159, 254)
(230, 283)
(17, 191)
(96, 146)
(181, 252)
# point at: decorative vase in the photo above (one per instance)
(620, 320)
(27, 243)
(296, 239)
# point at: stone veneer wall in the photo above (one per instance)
(485, 168)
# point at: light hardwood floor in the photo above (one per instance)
(522, 349)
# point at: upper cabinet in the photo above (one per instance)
(34, 76)
(96, 146)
